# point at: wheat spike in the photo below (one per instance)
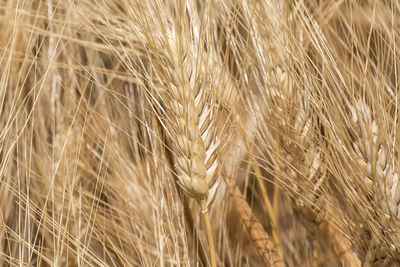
(379, 174)
(188, 98)
(373, 158)
(297, 157)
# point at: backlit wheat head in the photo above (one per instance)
(296, 158)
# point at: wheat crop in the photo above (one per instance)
(199, 133)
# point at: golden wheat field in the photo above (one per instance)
(199, 133)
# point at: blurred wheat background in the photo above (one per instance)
(199, 133)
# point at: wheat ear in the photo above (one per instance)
(298, 160)
(379, 174)
(197, 147)
(373, 158)
(338, 242)
(289, 133)
(186, 96)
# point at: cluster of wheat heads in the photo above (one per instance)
(199, 133)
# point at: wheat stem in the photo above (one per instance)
(315, 250)
(207, 223)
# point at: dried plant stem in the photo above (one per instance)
(267, 202)
(258, 235)
(315, 250)
(207, 223)
(190, 224)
